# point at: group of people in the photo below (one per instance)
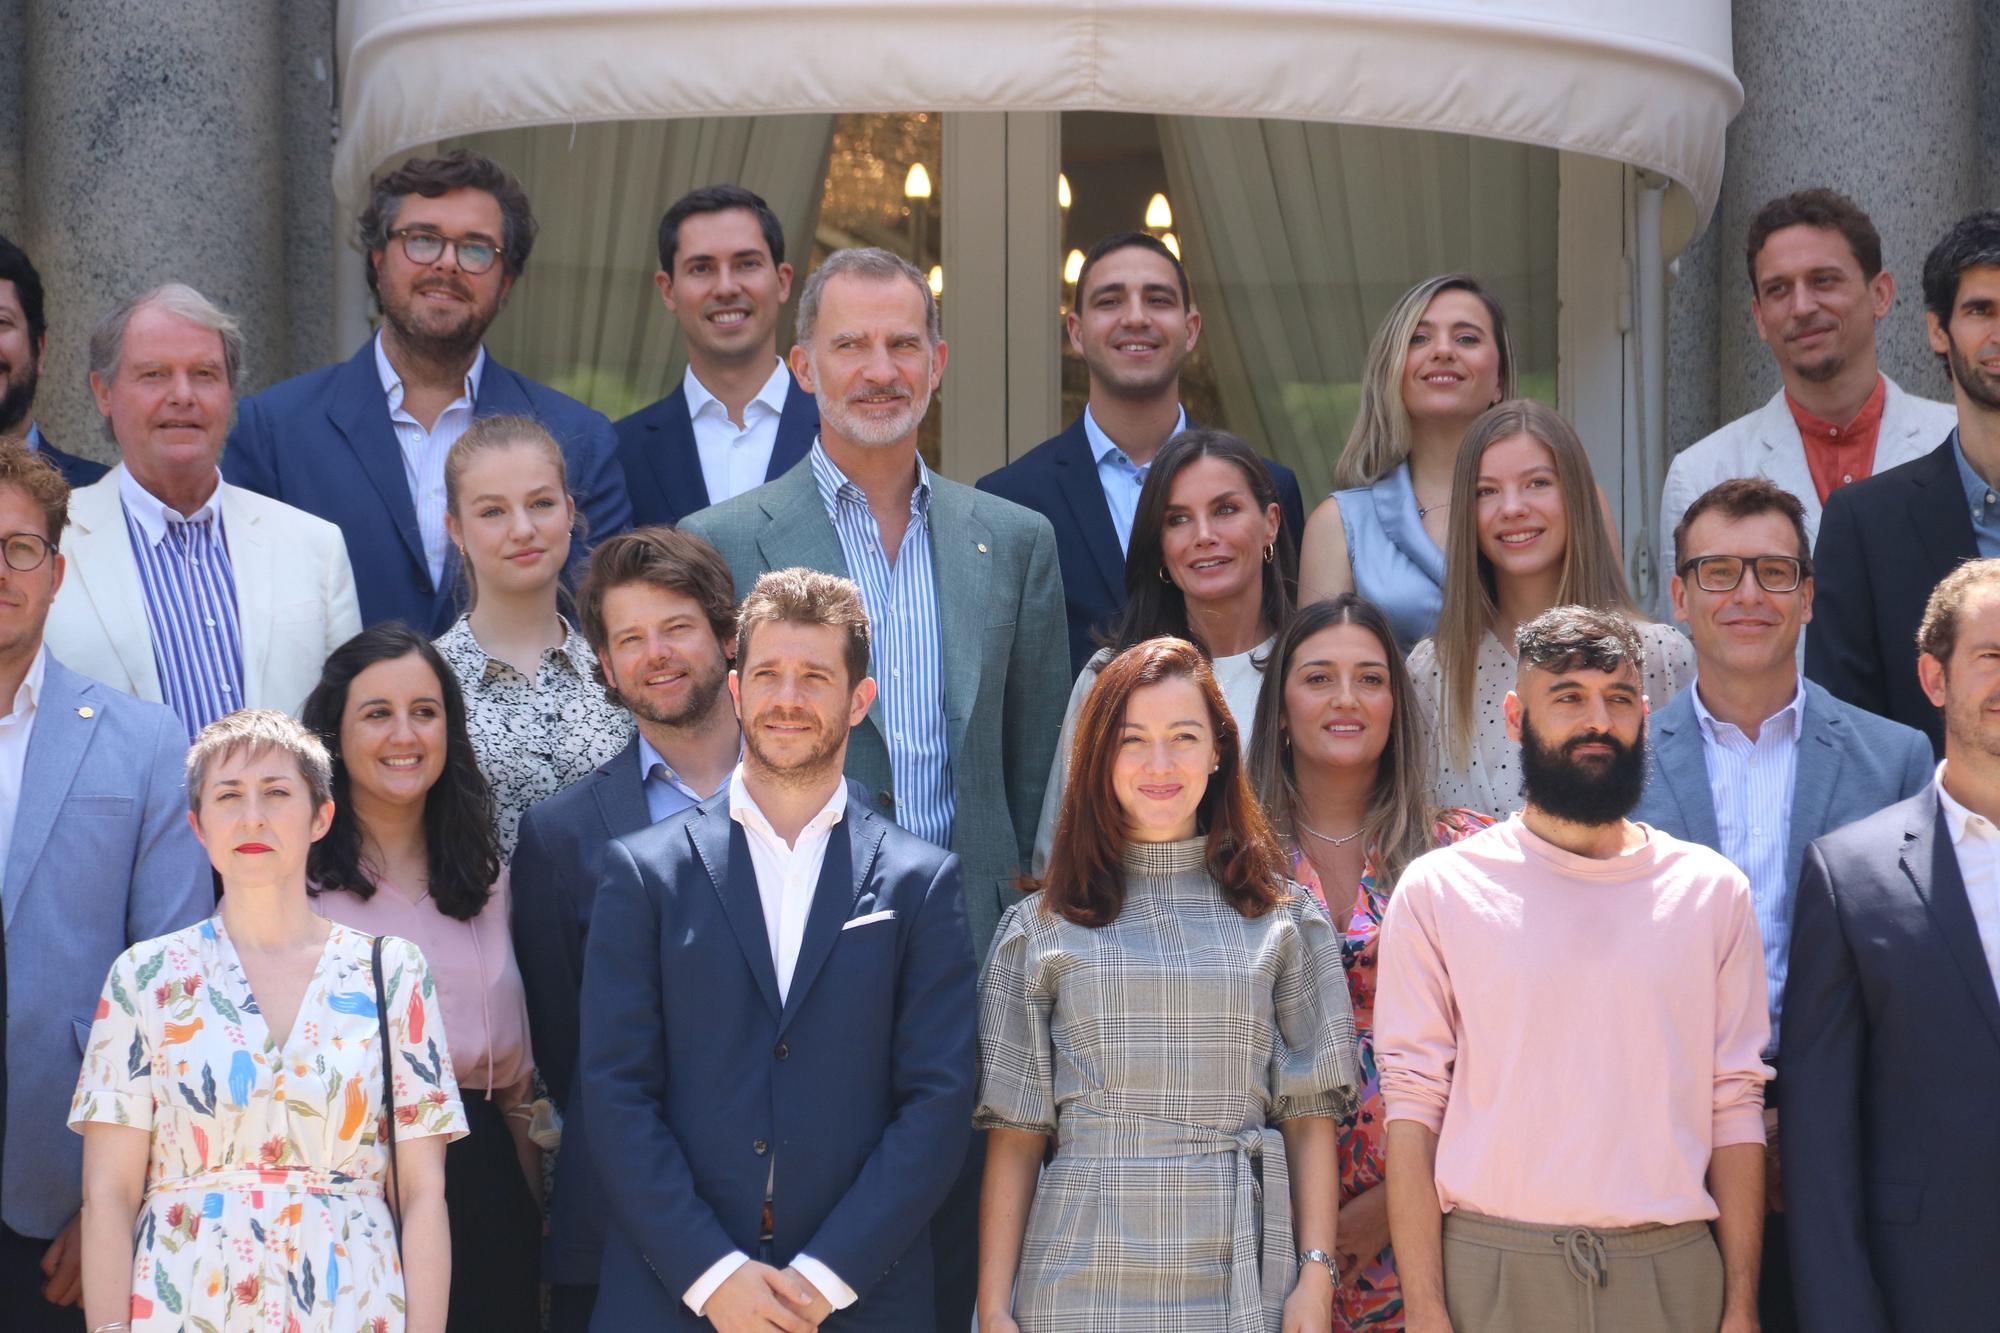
(468, 864)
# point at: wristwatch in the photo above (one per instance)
(1325, 1260)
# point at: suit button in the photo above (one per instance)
(782, 1051)
(885, 800)
(760, 1147)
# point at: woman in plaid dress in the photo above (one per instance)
(1169, 1010)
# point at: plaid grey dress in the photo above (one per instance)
(1159, 1051)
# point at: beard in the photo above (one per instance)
(806, 770)
(17, 394)
(1979, 386)
(874, 433)
(439, 335)
(703, 687)
(1967, 724)
(1588, 792)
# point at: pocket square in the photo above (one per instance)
(887, 915)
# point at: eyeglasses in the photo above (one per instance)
(25, 550)
(1721, 573)
(426, 247)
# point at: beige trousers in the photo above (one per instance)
(1515, 1277)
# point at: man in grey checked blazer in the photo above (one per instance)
(987, 635)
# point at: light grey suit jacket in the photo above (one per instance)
(1006, 657)
(102, 857)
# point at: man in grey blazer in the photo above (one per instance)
(971, 648)
(95, 854)
(1755, 761)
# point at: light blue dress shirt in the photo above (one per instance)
(666, 794)
(1982, 501)
(1120, 477)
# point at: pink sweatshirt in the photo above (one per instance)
(1580, 1034)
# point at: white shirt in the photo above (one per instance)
(1977, 843)
(787, 874)
(734, 461)
(17, 728)
(424, 450)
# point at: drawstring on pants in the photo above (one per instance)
(1583, 1251)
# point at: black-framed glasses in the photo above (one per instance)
(427, 247)
(25, 550)
(1721, 573)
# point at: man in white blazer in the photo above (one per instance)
(1817, 290)
(182, 589)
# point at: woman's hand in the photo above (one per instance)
(1309, 1309)
(997, 1321)
(1363, 1233)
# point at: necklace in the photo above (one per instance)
(1424, 511)
(1326, 838)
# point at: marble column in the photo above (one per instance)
(13, 111)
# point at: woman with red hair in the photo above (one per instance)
(1171, 1011)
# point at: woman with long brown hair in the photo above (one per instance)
(1170, 1011)
(1340, 762)
(1528, 532)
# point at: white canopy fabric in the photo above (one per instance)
(1650, 84)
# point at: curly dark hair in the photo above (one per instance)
(460, 169)
(462, 845)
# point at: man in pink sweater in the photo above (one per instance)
(1568, 1027)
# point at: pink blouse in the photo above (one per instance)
(472, 962)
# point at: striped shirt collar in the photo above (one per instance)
(152, 514)
(392, 379)
(1789, 720)
(834, 485)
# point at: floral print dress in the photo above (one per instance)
(265, 1206)
(1373, 1300)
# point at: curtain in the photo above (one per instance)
(1298, 237)
(586, 317)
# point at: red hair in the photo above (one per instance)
(1086, 872)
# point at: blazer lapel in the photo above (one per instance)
(359, 410)
(1784, 458)
(1817, 774)
(621, 792)
(101, 560)
(1076, 480)
(55, 752)
(251, 562)
(798, 427)
(725, 853)
(1932, 865)
(962, 556)
(1938, 512)
(672, 458)
(850, 855)
(1683, 767)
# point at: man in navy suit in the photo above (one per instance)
(363, 444)
(23, 341)
(777, 1056)
(1892, 1021)
(96, 854)
(737, 420)
(1134, 323)
(1755, 762)
(659, 610)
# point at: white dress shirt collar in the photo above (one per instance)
(771, 397)
(1976, 843)
(743, 808)
(1961, 822)
(392, 379)
(1792, 715)
(152, 514)
(30, 691)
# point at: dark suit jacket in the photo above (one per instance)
(1884, 544)
(1058, 480)
(323, 442)
(695, 1075)
(78, 472)
(656, 447)
(558, 862)
(1891, 1067)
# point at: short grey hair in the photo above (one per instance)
(1579, 638)
(107, 340)
(868, 262)
(254, 730)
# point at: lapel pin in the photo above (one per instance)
(86, 711)
(982, 548)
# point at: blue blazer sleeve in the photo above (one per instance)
(1841, 653)
(548, 944)
(906, 1178)
(641, 1166)
(247, 458)
(597, 480)
(172, 883)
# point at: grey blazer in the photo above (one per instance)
(102, 858)
(1006, 658)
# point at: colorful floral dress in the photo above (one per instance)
(1372, 1299)
(264, 1205)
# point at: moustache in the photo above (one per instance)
(457, 289)
(1806, 330)
(1575, 743)
(879, 391)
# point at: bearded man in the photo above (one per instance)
(1568, 1030)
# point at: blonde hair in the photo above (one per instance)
(1381, 436)
(254, 730)
(1591, 573)
(488, 435)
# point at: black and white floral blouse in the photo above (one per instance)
(533, 737)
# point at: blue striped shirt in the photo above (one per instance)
(907, 644)
(1752, 782)
(190, 591)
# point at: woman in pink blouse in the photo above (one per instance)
(1339, 760)
(412, 853)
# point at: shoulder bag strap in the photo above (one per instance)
(389, 1099)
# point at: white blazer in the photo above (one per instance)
(295, 597)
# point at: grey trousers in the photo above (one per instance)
(1515, 1277)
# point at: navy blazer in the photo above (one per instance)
(1884, 543)
(1058, 480)
(78, 472)
(1891, 1070)
(695, 1075)
(323, 442)
(656, 447)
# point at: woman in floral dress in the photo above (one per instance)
(1340, 764)
(237, 1170)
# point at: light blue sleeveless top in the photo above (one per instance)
(1396, 564)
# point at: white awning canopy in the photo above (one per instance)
(1650, 84)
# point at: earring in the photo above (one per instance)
(1287, 735)
(1270, 551)
(1215, 768)
(1162, 572)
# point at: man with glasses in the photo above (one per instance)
(363, 443)
(1753, 760)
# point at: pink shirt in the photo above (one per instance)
(1581, 1034)
(472, 962)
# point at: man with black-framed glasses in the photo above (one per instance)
(1754, 760)
(363, 443)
